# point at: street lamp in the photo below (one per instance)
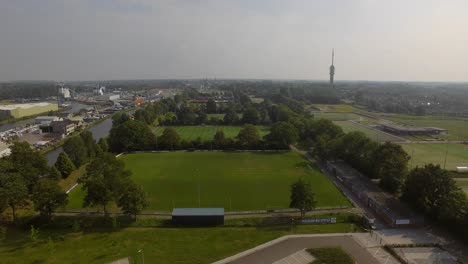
(142, 255)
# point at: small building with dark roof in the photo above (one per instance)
(406, 130)
(198, 216)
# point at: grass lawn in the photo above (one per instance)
(332, 255)
(375, 135)
(462, 183)
(457, 154)
(337, 116)
(159, 244)
(208, 132)
(235, 181)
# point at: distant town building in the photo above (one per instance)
(64, 127)
(23, 110)
(138, 101)
(46, 120)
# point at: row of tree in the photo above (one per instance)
(26, 179)
(133, 135)
(429, 189)
(387, 162)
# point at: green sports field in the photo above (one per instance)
(375, 135)
(457, 154)
(208, 132)
(235, 181)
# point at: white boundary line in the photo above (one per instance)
(71, 189)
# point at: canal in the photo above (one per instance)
(100, 130)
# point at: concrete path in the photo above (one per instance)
(283, 247)
(300, 257)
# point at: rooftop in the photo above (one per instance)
(23, 106)
(403, 127)
(197, 211)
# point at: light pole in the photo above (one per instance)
(142, 255)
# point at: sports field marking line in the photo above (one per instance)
(71, 189)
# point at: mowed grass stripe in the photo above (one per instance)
(235, 181)
(208, 132)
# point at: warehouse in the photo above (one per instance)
(23, 110)
(198, 216)
(404, 130)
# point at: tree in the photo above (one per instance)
(76, 150)
(48, 196)
(430, 189)
(211, 106)
(89, 143)
(391, 166)
(170, 139)
(219, 139)
(102, 143)
(54, 174)
(104, 180)
(248, 136)
(130, 136)
(324, 127)
(282, 134)
(250, 116)
(28, 163)
(119, 118)
(231, 117)
(13, 192)
(132, 200)
(64, 165)
(302, 197)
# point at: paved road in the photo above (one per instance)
(292, 245)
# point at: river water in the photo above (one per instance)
(99, 131)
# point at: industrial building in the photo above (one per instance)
(23, 110)
(384, 205)
(45, 120)
(198, 216)
(404, 130)
(63, 127)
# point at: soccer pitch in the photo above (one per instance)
(208, 132)
(457, 154)
(236, 181)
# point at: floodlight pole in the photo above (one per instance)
(142, 255)
(446, 152)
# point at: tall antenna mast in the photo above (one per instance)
(333, 55)
(332, 69)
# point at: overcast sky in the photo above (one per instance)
(406, 40)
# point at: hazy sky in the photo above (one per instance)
(272, 39)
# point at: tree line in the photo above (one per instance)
(430, 190)
(26, 181)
